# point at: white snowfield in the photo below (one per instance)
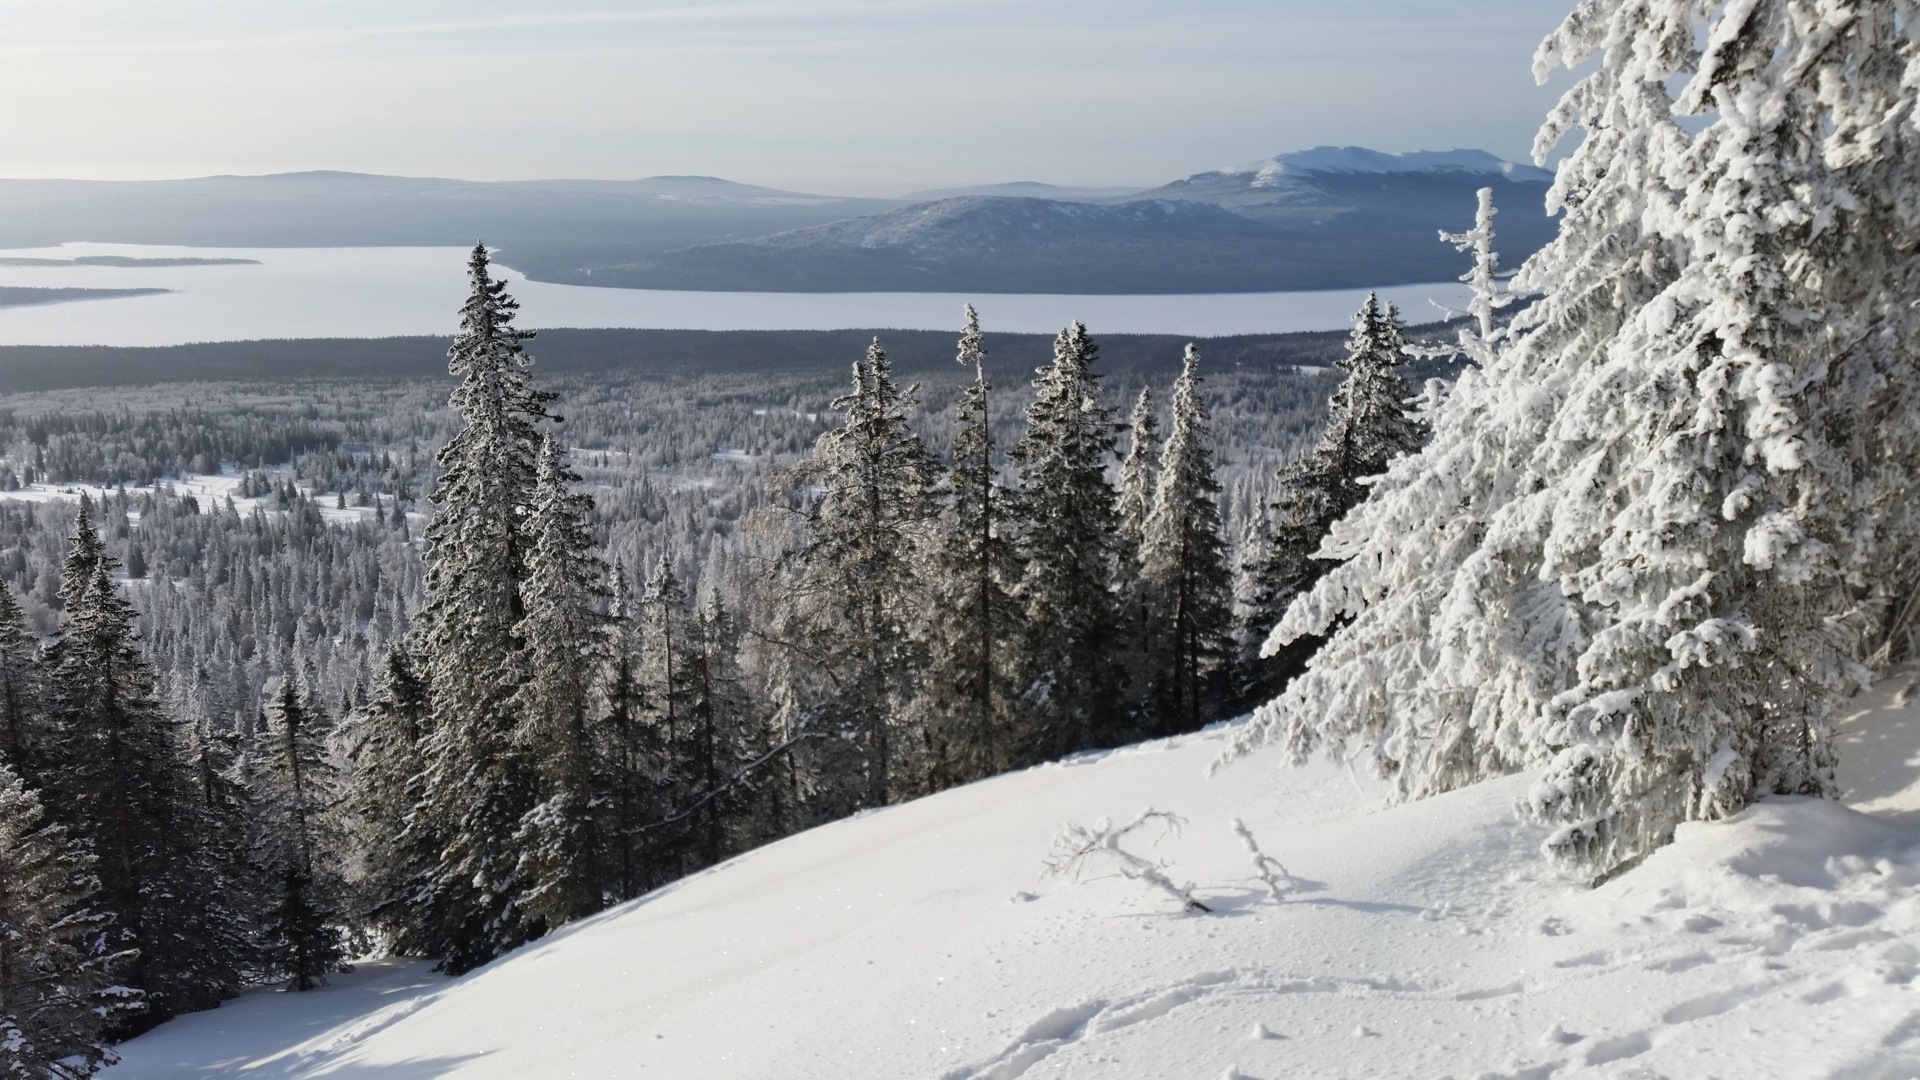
(1420, 941)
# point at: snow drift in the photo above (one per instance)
(1428, 939)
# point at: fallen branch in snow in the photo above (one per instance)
(1077, 843)
(1279, 882)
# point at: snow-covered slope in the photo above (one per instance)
(1418, 941)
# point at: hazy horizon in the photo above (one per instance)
(857, 97)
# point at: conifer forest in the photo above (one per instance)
(303, 672)
(441, 672)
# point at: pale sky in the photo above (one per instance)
(845, 96)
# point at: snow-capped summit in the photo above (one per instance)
(1359, 159)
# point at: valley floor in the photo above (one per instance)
(1419, 941)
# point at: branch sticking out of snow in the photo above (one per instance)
(1078, 843)
(1279, 882)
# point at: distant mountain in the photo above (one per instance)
(1025, 189)
(557, 225)
(1325, 218)
(1328, 218)
(979, 244)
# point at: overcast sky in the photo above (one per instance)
(855, 96)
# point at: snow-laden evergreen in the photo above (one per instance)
(1369, 423)
(113, 774)
(1655, 532)
(1184, 569)
(479, 783)
(563, 839)
(395, 851)
(977, 621)
(1067, 534)
(295, 788)
(58, 997)
(858, 586)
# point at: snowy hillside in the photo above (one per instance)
(1419, 941)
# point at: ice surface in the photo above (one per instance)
(389, 292)
(1423, 940)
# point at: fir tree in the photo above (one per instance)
(20, 688)
(294, 788)
(1139, 619)
(1641, 550)
(478, 784)
(57, 994)
(563, 839)
(978, 621)
(1368, 425)
(1184, 567)
(722, 738)
(398, 849)
(859, 573)
(115, 776)
(1067, 528)
(632, 777)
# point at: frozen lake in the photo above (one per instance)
(387, 292)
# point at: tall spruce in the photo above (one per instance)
(632, 778)
(1184, 568)
(563, 839)
(58, 995)
(295, 788)
(1144, 635)
(1067, 535)
(859, 583)
(1369, 423)
(479, 784)
(969, 696)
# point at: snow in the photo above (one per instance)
(388, 292)
(1422, 940)
(211, 491)
(1359, 159)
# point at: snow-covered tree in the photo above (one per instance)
(977, 621)
(57, 994)
(1656, 529)
(397, 849)
(115, 777)
(858, 580)
(1144, 635)
(478, 783)
(294, 788)
(563, 839)
(1184, 568)
(1368, 425)
(1067, 534)
(20, 687)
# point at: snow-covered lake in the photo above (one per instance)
(386, 292)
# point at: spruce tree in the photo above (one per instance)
(58, 997)
(397, 845)
(1139, 618)
(969, 692)
(1067, 535)
(116, 778)
(563, 839)
(294, 790)
(858, 577)
(21, 688)
(667, 648)
(1649, 546)
(1368, 425)
(1184, 568)
(632, 776)
(722, 738)
(478, 783)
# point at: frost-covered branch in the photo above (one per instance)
(1077, 843)
(1279, 883)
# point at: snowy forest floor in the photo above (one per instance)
(1419, 941)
